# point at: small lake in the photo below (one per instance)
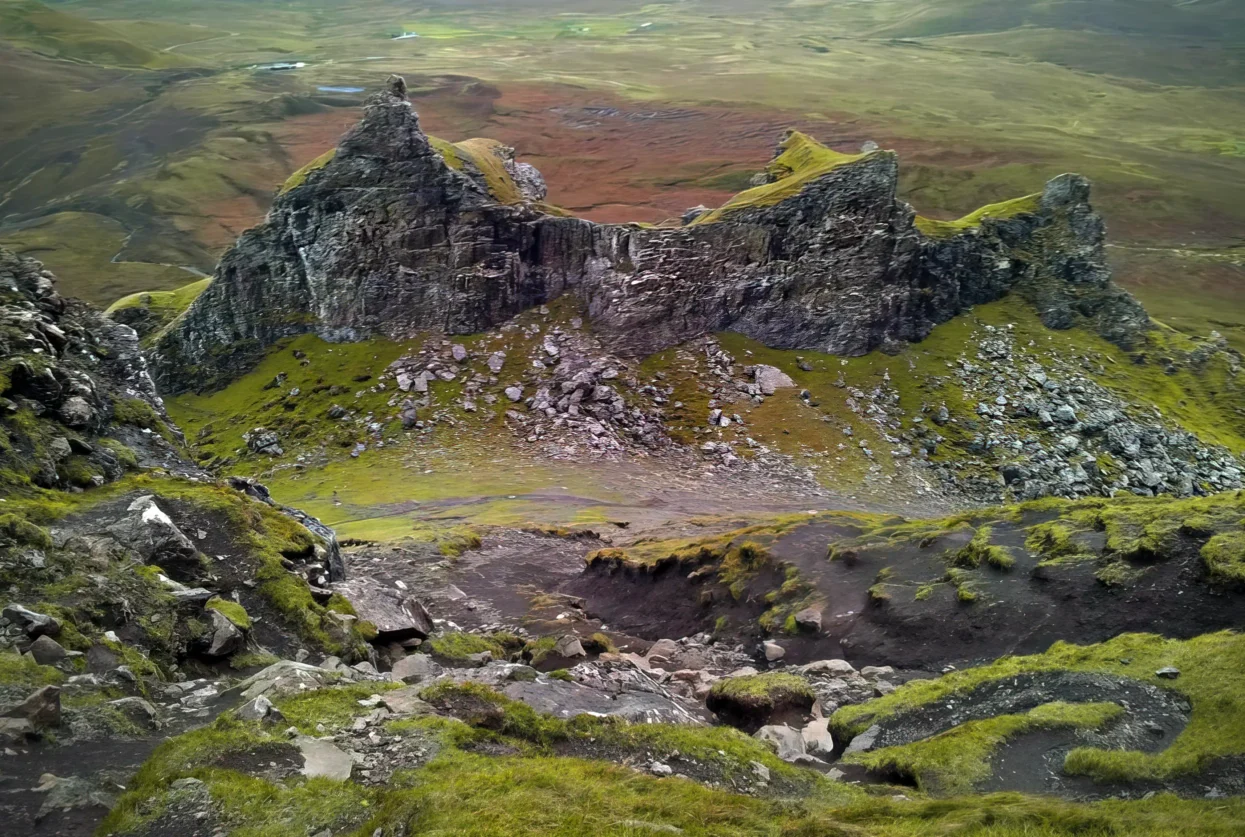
(340, 89)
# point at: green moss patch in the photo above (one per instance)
(980, 551)
(748, 701)
(995, 211)
(23, 672)
(1224, 555)
(232, 611)
(459, 646)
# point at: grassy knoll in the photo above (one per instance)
(51, 32)
(153, 311)
(1005, 209)
(86, 251)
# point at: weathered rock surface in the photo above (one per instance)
(397, 615)
(149, 532)
(84, 379)
(386, 239)
(42, 708)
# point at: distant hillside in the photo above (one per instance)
(1211, 19)
(34, 26)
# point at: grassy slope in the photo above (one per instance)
(532, 792)
(37, 27)
(79, 593)
(379, 494)
(355, 493)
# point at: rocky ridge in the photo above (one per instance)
(838, 266)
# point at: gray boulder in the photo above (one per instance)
(47, 651)
(818, 741)
(864, 742)
(76, 411)
(34, 624)
(227, 638)
(414, 668)
(42, 708)
(396, 615)
(152, 535)
(259, 709)
(770, 379)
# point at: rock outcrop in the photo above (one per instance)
(388, 239)
(74, 388)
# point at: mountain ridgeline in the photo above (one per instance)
(389, 236)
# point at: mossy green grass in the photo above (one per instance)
(462, 790)
(995, 211)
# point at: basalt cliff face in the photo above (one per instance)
(388, 239)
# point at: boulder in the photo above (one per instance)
(788, 742)
(832, 667)
(570, 647)
(818, 740)
(773, 651)
(42, 708)
(47, 651)
(283, 678)
(662, 650)
(414, 668)
(227, 638)
(15, 730)
(324, 758)
(770, 379)
(566, 700)
(34, 624)
(152, 535)
(137, 710)
(259, 709)
(76, 411)
(406, 701)
(809, 619)
(261, 440)
(864, 742)
(396, 615)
